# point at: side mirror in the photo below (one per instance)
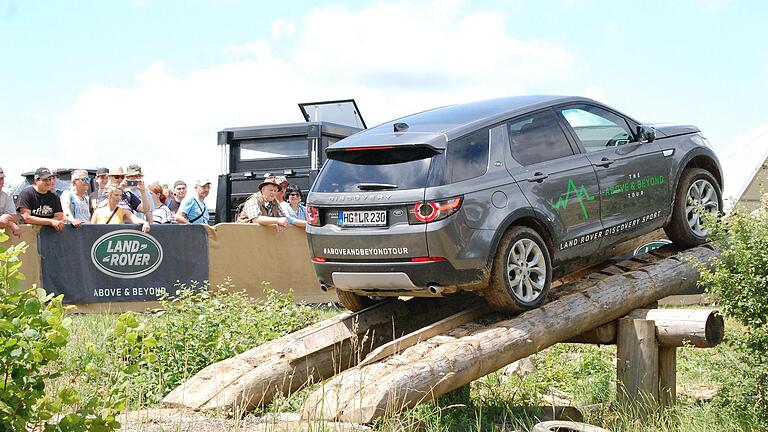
(646, 134)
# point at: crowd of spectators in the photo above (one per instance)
(121, 196)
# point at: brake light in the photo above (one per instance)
(368, 148)
(432, 211)
(313, 216)
(319, 260)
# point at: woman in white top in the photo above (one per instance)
(161, 214)
(74, 202)
(292, 207)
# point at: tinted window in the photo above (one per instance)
(468, 156)
(598, 128)
(274, 149)
(538, 138)
(345, 170)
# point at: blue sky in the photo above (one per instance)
(93, 83)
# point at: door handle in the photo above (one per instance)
(538, 177)
(604, 162)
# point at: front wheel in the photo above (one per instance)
(522, 271)
(352, 301)
(697, 193)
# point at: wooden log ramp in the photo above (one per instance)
(284, 365)
(454, 358)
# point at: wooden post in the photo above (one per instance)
(638, 365)
(667, 376)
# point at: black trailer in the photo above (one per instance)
(295, 150)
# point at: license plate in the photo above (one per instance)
(362, 218)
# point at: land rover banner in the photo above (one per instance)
(114, 263)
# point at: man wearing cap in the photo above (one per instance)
(192, 209)
(134, 181)
(263, 208)
(179, 193)
(128, 201)
(8, 216)
(37, 205)
(102, 179)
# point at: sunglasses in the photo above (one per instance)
(294, 194)
(84, 179)
(118, 176)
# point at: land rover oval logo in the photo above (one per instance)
(126, 254)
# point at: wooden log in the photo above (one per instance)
(601, 335)
(443, 363)
(702, 328)
(667, 376)
(637, 361)
(286, 364)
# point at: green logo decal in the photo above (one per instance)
(126, 254)
(581, 195)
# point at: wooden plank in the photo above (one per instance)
(287, 364)
(425, 333)
(667, 376)
(637, 365)
(455, 358)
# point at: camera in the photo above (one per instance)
(132, 182)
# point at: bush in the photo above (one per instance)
(33, 333)
(193, 330)
(739, 282)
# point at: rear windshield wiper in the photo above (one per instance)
(375, 186)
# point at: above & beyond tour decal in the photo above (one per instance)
(605, 232)
(634, 186)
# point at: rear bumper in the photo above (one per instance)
(397, 277)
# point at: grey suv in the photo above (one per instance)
(500, 197)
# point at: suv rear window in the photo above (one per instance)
(468, 156)
(406, 168)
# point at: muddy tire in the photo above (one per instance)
(566, 426)
(522, 272)
(352, 301)
(697, 192)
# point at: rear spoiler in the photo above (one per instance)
(420, 146)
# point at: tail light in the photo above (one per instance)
(313, 216)
(432, 211)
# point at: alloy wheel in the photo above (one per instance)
(701, 198)
(526, 270)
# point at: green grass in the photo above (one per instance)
(586, 373)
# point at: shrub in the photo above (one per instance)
(33, 333)
(739, 281)
(194, 329)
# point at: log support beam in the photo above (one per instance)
(637, 367)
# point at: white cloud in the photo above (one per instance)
(393, 58)
(282, 27)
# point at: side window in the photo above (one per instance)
(538, 138)
(468, 156)
(597, 128)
